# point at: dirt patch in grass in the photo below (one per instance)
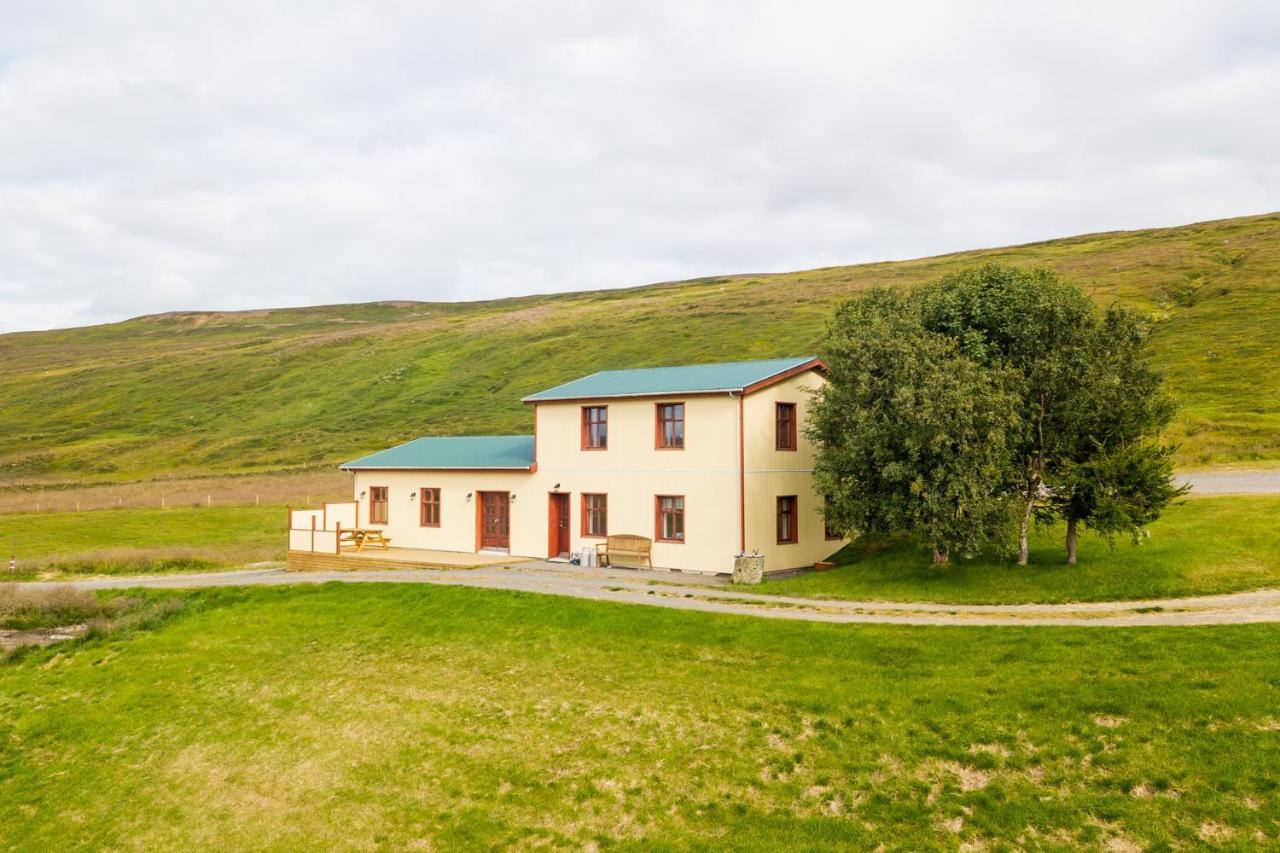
(33, 618)
(12, 639)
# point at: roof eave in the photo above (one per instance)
(350, 467)
(781, 375)
(631, 394)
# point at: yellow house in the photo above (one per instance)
(707, 461)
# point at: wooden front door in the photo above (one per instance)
(495, 520)
(558, 525)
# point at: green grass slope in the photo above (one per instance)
(265, 390)
(382, 716)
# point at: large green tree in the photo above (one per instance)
(1115, 475)
(1042, 330)
(913, 434)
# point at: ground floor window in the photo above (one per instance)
(378, 504)
(430, 508)
(670, 518)
(787, 520)
(595, 515)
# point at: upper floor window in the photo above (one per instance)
(787, 532)
(670, 518)
(595, 515)
(430, 511)
(786, 426)
(378, 504)
(671, 425)
(595, 427)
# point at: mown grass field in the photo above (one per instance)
(1200, 546)
(131, 541)
(204, 393)
(396, 717)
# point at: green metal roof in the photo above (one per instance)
(509, 452)
(686, 379)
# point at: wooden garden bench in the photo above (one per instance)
(625, 545)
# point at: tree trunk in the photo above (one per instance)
(941, 556)
(1072, 523)
(1024, 547)
(1034, 472)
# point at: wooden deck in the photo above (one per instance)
(395, 558)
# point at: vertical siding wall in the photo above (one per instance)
(771, 473)
(457, 530)
(632, 472)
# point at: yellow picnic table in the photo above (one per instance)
(363, 537)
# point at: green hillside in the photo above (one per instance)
(265, 390)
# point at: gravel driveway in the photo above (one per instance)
(665, 589)
(1245, 481)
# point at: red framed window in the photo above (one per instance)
(595, 515)
(430, 508)
(670, 426)
(785, 416)
(595, 427)
(378, 505)
(787, 533)
(670, 518)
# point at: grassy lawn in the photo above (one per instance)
(1203, 546)
(129, 541)
(384, 716)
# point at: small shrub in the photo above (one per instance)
(142, 561)
(26, 609)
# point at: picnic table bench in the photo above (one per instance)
(625, 545)
(362, 537)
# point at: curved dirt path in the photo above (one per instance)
(716, 596)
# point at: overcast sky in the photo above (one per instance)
(160, 156)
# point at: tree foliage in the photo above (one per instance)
(992, 387)
(1116, 476)
(1032, 323)
(912, 432)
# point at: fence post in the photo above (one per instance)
(337, 540)
(313, 534)
(208, 500)
(162, 502)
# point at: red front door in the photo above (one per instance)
(558, 525)
(495, 520)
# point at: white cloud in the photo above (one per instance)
(155, 157)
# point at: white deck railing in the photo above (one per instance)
(320, 530)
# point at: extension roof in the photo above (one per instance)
(463, 452)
